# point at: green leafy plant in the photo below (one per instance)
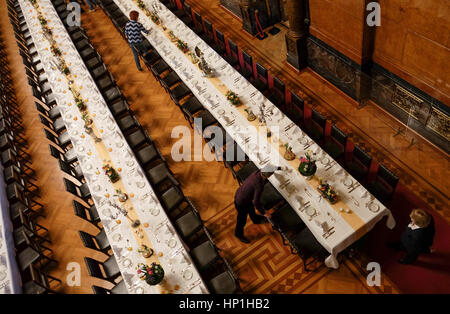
(233, 98)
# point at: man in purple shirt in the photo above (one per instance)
(247, 197)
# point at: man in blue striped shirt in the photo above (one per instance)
(133, 34)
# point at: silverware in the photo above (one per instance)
(330, 165)
(329, 234)
(307, 193)
(354, 187)
(304, 206)
(231, 123)
(285, 183)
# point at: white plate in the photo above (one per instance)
(325, 160)
(88, 167)
(187, 274)
(107, 212)
(310, 211)
(75, 133)
(111, 127)
(373, 207)
(172, 243)
(252, 146)
(303, 141)
(117, 237)
(69, 116)
(139, 290)
(81, 149)
(119, 144)
(140, 184)
(126, 262)
(97, 188)
(348, 182)
(221, 111)
(130, 163)
(155, 211)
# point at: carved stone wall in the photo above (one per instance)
(411, 106)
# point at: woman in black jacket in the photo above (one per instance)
(417, 237)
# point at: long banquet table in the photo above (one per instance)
(10, 281)
(357, 211)
(155, 229)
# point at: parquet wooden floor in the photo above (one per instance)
(264, 266)
(423, 168)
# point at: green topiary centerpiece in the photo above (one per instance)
(153, 274)
(307, 166)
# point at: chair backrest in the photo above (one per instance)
(93, 267)
(79, 210)
(88, 240)
(362, 156)
(46, 122)
(297, 101)
(71, 187)
(279, 86)
(220, 38)
(51, 136)
(209, 29)
(248, 60)
(388, 176)
(233, 48)
(198, 19)
(55, 152)
(338, 135)
(318, 118)
(65, 167)
(100, 290)
(261, 72)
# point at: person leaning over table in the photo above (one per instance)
(417, 237)
(247, 197)
(133, 33)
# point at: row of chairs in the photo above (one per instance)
(31, 239)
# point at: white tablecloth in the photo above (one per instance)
(258, 148)
(179, 268)
(10, 280)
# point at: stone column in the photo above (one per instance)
(297, 35)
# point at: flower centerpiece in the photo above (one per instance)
(327, 191)
(155, 18)
(233, 98)
(141, 4)
(307, 166)
(182, 46)
(86, 118)
(145, 251)
(80, 104)
(55, 50)
(153, 274)
(288, 154)
(42, 20)
(122, 196)
(111, 173)
(172, 36)
(64, 68)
